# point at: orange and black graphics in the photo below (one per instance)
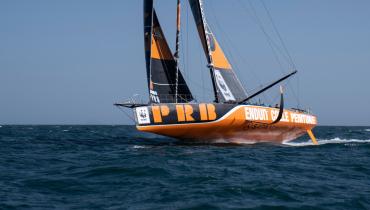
(165, 114)
(213, 121)
(161, 66)
(227, 84)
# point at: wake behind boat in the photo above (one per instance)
(173, 111)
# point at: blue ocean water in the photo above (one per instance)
(116, 167)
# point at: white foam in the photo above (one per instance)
(368, 130)
(138, 147)
(65, 130)
(233, 141)
(326, 141)
(1, 126)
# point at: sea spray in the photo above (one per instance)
(326, 141)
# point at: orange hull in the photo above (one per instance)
(240, 124)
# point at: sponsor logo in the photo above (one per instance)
(302, 118)
(142, 115)
(154, 96)
(184, 113)
(226, 93)
(256, 114)
(269, 115)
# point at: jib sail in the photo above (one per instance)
(225, 83)
(161, 66)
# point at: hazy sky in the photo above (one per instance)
(67, 62)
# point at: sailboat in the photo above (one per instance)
(173, 111)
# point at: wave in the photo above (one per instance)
(326, 141)
(308, 142)
(368, 130)
(139, 147)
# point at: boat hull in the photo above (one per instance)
(223, 122)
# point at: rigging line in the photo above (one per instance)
(244, 60)
(282, 43)
(272, 44)
(178, 22)
(150, 55)
(250, 69)
(203, 88)
(298, 90)
(278, 33)
(162, 54)
(227, 48)
(167, 84)
(201, 71)
(225, 41)
(264, 95)
(269, 39)
(127, 115)
(206, 40)
(182, 61)
(160, 50)
(257, 20)
(165, 66)
(187, 36)
(182, 52)
(276, 98)
(229, 42)
(201, 85)
(186, 49)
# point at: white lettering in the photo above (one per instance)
(154, 96)
(275, 114)
(252, 113)
(302, 118)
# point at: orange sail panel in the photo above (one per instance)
(227, 85)
(162, 69)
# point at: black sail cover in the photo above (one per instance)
(228, 87)
(160, 63)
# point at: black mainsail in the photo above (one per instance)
(226, 85)
(166, 84)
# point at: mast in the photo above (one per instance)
(148, 30)
(227, 88)
(207, 48)
(165, 81)
(178, 27)
(210, 59)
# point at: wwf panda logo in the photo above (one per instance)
(142, 115)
